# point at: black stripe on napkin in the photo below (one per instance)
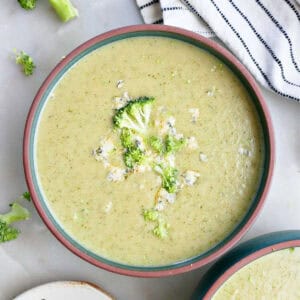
(276, 59)
(294, 9)
(172, 8)
(159, 21)
(148, 4)
(269, 14)
(250, 54)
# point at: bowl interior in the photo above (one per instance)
(41, 101)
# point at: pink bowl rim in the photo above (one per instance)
(144, 28)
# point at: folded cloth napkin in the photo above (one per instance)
(263, 34)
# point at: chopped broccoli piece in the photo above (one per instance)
(127, 138)
(161, 230)
(173, 144)
(26, 62)
(133, 156)
(135, 115)
(27, 196)
(157, 144)
(27, 4)
(169, 177)
(64, 9)
(150, 214)
(17, 213)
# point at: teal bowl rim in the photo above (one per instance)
(242, 255)
(136, 31)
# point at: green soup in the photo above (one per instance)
(274, 276)
(219, 166)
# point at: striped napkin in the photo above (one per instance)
(263, 34)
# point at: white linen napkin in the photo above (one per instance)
(263, 34)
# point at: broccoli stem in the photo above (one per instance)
(64, 9)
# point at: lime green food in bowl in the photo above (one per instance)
(147, 204)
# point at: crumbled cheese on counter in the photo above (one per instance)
(190, 177)
(120, 83)
(192, 143)
(244, 151)
(108, 207)
(116, 174)
(195, 114)
(203, 157)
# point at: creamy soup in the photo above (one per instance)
(274, 276)
(201, 114)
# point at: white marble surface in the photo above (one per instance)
(37, 257)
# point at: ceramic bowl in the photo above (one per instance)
(64, 66)
(242, 255)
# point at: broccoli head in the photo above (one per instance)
(169, 177)
(161, 230)
(135, 115)
(17, 213)
(150, 214)
(133, 156)
(27, 4)
(26, 62)
(174, 144)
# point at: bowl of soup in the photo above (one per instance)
(266, 267)
(148, 151)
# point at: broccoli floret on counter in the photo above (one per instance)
(135, 115)
(27, 4)
(26, 62)
(17, 213)
(64, 9)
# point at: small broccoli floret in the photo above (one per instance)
(133, 156)
(174, 144)
(126, 138)
(169, 177)
(157, 144)
(27, 4)
(161, 230)
(64, 9)
(17, 213)
(135, 115)
(26, 62)
(150, 214)
(26, 196)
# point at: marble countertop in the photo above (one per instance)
(36, 256)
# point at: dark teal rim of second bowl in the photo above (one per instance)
(242, 255)
(58, 72)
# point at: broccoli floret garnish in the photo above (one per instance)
(64, 9)
(26, 62)
(135, 115)
(173, 144)
(27, 4)
(169, 177)
(150, 214)
(126, 138)
(17, 213)
(161, 230)
(157, 144)
(133, 156)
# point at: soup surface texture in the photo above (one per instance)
(274, 276)
(198, 101)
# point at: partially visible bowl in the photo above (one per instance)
(30, 159)
(242, 256)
